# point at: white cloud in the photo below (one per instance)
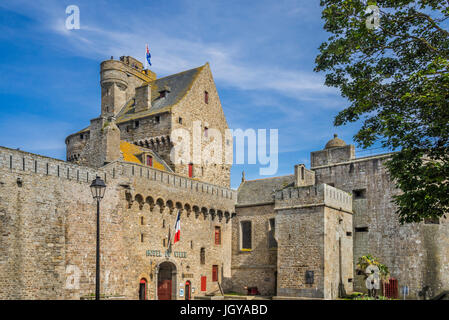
(173, 54)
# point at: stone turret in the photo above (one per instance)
(335, 151)
(119, 80)
(114, 84)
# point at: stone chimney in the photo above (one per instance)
(303, 177)
(143, 98)
(110, 141)
(104, 143)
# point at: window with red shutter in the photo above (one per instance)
(190, 170)
(217, 235)
(203, 283)
(214, 273)
(149, 161)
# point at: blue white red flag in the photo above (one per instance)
(178, 228)
(148, 56)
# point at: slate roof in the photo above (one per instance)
(262, 190)
(178, 84)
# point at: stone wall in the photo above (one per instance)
(300, 248)
(47, 248)
(255, 268)
(311, 227)
(210, 115)
(417, 254)
(338, 251)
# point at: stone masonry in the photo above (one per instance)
(294, 236)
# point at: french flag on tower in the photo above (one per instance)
(178, 228)
(148, 55)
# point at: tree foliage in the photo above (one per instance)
(396, 80)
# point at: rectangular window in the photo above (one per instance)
(180, 120)
(203, 256)
(206, 97)
(158, 119)
(214, 273)
(136, 124)
(359, 194)
(272, 243)
(203, 283)
(361, 229)
(190, 170)
(246, 235)
(217, 235)
(141, 237)
(206, 131)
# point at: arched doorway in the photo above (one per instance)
(143, 289)
(188, 290)
(166, 282)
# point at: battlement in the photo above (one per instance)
(120, 169)
(322, 194)
(21, 161)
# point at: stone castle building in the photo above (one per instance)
(296, 236)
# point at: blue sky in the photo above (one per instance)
(261, 54)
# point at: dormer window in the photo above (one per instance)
(163, 92)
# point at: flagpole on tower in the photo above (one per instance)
(146, 62)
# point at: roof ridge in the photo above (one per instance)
(260, 179)
(176, 74)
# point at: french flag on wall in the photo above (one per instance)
(178, 228)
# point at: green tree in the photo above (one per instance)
(395, 77)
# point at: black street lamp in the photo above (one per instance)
(97, 188)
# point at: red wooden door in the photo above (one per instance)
(164, 290)
(188, 297)
(143, 290)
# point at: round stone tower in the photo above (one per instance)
(114, 85)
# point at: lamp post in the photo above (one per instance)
(98, 188)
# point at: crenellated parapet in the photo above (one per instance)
(311, 196)
(125, 173)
